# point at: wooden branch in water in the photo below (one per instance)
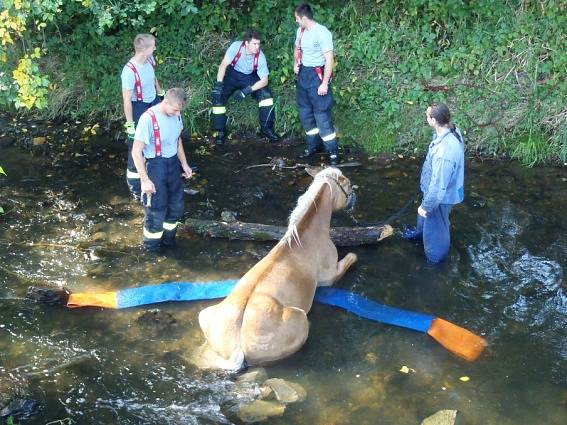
(341, 236)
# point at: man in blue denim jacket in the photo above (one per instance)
(442, 184)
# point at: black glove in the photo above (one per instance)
(241, 94)
(217, 92)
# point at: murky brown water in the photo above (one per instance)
(70, 221)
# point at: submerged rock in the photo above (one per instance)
(260, 410)
(254, 375)
(12, 387)
(156, 321)
(40, 140)
(442, 417)
(19, 408)
(228, 216)
(286, 392)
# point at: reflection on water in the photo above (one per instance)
(71, 223)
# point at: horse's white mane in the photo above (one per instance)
(307, 200)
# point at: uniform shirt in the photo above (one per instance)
(147, 76)
(169, 128)
(443, 172)
(314, 43)
(245, 63)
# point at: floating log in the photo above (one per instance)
(238, 230)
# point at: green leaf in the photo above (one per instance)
(2, 171)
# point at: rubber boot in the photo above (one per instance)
(313, 144)
(332, 147)
(267, 116)
(219, 138)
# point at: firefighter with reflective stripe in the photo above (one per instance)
(160, 160)
(313, 63)
(140, 90)
(244, 71)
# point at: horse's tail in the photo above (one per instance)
(205, 357)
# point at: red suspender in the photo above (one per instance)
(130, 65)
(299, 56)
(237, 58)
(256, 58)
(139, 96)
(157, 135)
(319, 69)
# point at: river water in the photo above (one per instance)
(69, 221)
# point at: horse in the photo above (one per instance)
(264, 318)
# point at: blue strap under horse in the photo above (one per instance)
(456, 339)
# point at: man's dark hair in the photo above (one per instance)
(304, 9)
(252, 34)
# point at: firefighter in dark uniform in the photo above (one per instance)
(244, 71)
(140, 91)
(160, 160)
(313, 63)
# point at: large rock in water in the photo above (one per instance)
(11, 388)
(260, 410)
(442, 417)
(286, 392)
(257, 375)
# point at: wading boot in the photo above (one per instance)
(334, 159)
(410, 233)
(220, 138)
(307, 154)
(270, 134)
(314, 143)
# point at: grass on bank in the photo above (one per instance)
(499, 66)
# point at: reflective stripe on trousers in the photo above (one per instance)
(315, 111)
(167, 206)
(234, 80)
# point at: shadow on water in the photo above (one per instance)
(70, 221)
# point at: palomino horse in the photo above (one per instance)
(265, 316)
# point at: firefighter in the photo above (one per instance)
(161, 163)
(242, 72)
(313, 64)
(140, 91)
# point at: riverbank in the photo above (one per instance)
(499, 65)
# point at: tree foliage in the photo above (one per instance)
(500, 64)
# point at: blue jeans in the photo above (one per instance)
(436, 233)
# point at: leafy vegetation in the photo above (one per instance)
(499, 64)
(2, 172)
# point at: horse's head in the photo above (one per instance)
(342, 192)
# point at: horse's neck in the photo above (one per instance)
(317, 219)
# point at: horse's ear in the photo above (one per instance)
(312, 171)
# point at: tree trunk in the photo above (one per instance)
(341, 236)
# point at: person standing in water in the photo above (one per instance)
(441, 183)
(140, 91)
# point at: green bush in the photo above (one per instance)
(500, 65)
